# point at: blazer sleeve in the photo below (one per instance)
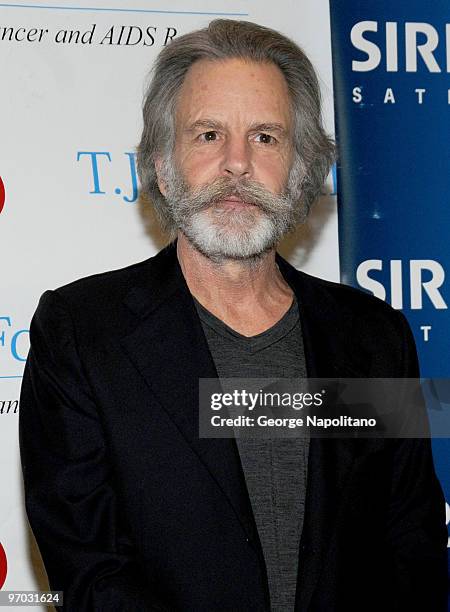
(417, 532)
(69, 494)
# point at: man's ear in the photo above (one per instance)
(159, 175)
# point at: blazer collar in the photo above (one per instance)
(169, 349)
(330, 351)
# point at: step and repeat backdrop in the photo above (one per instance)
(72, 80)
(392, 94)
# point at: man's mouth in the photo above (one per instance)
(234, 202)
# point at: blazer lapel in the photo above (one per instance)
(329, 353)
(169, 349)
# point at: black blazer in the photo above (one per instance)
(132, 511)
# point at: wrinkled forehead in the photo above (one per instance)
(234, 91)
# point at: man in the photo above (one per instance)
(131, 509)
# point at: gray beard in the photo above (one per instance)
(221, 233)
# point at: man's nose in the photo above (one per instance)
(237, 160)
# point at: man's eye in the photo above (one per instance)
(208, 136)
(265, 139)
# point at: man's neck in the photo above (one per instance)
(248, 298)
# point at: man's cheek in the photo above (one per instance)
(201, 167)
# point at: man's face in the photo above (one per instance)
(228, 176)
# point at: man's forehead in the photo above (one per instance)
(214, 89)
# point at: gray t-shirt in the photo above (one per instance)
(276, 469)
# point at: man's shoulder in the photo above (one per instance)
(112, 283)
(351, 315)
(102, 300)
(363, 327)
(339, 297)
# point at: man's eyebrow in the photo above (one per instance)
(269, 127)
(208, 124)
(212, 124)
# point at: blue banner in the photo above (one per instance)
(391, 65)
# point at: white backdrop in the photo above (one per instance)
(64, 96)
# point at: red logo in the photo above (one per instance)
(2, 197)
(3, 564)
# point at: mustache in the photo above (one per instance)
(249, 191)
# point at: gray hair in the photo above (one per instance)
(225, 39)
